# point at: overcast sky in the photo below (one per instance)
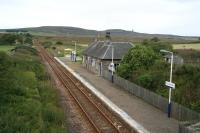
(180, 17)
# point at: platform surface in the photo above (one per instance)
(145, 114)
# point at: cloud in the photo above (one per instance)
(155, 16)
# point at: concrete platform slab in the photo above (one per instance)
(143, 113)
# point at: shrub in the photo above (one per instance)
(187, 78)
(124, 70)
(47, 44)
(59, 43)
(145, 80)
(52, 114)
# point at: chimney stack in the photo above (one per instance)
(108, 37)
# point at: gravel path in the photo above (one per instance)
(148, 116)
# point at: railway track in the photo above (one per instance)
(100, 118)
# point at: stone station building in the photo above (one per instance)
(98, 55)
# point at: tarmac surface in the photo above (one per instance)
(145, 114)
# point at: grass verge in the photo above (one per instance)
(6, 48)
(29, 103)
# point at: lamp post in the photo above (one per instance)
(74, 51)
(170, 88)
(112, 64)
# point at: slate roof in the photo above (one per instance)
(103, 49)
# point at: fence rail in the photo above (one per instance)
(179, 112)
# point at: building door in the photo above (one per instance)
(100, 69)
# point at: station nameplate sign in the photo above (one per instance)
(170, 84)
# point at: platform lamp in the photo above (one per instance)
(113, 66)
(74, 51)
(170, 88)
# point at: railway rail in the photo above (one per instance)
(101, 119)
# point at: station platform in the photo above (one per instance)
(149, 117)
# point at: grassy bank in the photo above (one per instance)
(29, 103)
(6, 48)
(195, 46)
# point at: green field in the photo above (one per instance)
(6, 48)
(193, 46)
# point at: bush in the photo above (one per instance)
(26, 49)
(59, 43)
(52, 114)
(187, 78)
(54, 48)
(124, 70)
(47, 44)
(145, 80)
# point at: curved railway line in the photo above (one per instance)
(101, 119)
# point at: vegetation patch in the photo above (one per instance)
(57, 48)
(145, 66)
(29, 103)
(194, 46)
(190, 56)
(16, 38)
(6, 48)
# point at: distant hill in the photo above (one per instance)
(68, 31)
(74, 31)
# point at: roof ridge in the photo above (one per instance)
(102, 41)
(115, 41)
(120, 42)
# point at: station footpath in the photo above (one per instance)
(145, 114)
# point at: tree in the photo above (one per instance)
(155, 39)
(139, 57)
(8, 39)
(28, 38)
(157, 45)
(13, 37)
